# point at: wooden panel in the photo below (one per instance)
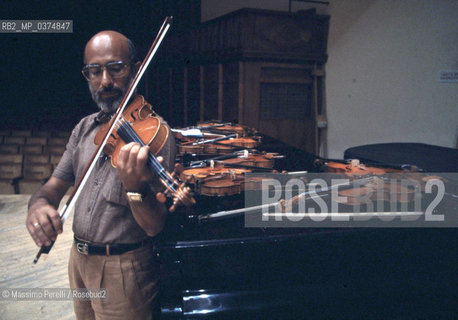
(185, 96)
(285, 101)
(220, 91)
(251, 94)
(285, 74)
(256, 48)
(160, 100)
(240, 91)
(288, 35)
(193, 95)
(293, 132)
(296, 131)
(230, 92)
(253, 33)
(176, 97)
(210, 92)
(201, 93)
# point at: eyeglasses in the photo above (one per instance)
(93, 72)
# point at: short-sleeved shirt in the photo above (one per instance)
(102, 214)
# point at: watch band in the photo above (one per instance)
(137, 196)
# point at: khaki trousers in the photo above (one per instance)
(131, 283)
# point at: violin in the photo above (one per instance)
(219, 145)
(377, 190)
(193, 148)
(227, 183)
(139, 124)
(193, 175)
(188, 144)
(225, 175)
(244, 142)
(227, 127)
(215, 180)
(374, 191)
(355, 169)
(141, 117)
(252, 160)
(227, 137)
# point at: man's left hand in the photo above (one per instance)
(132, 168)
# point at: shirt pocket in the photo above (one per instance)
(114, 193)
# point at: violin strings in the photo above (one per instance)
(156, 166)
(128, 134)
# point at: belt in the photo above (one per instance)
(87, 248)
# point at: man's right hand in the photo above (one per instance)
(43, 221)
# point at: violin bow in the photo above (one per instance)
(65, 210)
(281, 203)
(228, 137)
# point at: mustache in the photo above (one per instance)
(108, 90)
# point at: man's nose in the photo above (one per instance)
(106, 79)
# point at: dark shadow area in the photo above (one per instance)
(41, 84)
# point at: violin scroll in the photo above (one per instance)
(182, 196)
(180, 192)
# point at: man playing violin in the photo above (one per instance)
(116, 214)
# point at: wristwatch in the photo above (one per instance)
(137, 196)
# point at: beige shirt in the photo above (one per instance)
(102, 213)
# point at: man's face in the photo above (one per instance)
(106, 90)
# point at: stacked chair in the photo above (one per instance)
(27, 158)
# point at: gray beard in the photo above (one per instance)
(108, 105)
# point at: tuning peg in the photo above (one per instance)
(161, 197)
(179, 168)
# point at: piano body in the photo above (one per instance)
(219, 269)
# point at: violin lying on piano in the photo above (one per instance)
(216, 138)
(225, 175)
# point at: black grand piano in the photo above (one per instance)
(220, 269)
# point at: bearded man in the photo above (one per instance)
(116, 214)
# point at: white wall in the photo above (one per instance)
(384, 59)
